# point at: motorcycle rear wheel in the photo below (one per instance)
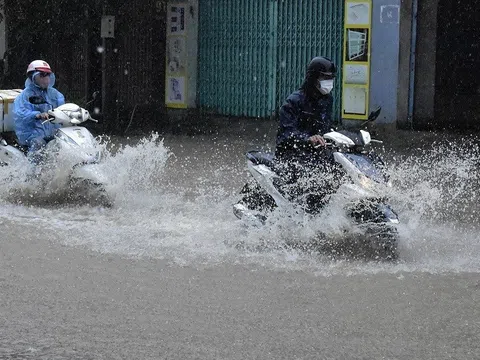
(255, 198)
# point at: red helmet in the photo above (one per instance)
(39, 65)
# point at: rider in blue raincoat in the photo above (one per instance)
(31, 106)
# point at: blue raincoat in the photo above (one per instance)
(27, 127)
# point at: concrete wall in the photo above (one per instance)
(425, 64)
(2, 36)
(404, 63)
(390, 64)
(384, 58)
(457, 93)
(192, 53)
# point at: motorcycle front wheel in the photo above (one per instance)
(383, 241)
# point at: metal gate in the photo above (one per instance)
(253, 53)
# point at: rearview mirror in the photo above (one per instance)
(374, 114)
(94, 96)
(36, 100)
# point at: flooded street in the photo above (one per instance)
(162, 275)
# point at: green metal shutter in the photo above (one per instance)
(307, 28)
(234, 42)
(253, 53)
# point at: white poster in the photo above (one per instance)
(390, 14)
(176, 89)
(176, 54)
(358, 13)
(355, 100)
(176, 19)
(356, 74)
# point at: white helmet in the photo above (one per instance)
(39, 65)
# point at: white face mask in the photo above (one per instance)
(325, 86)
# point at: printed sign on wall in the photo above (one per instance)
(176, 62)
(356, 62)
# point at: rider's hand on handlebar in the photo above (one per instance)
(317, 140)
(43, 116)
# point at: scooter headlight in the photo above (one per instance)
(96, 156)
(365, 182)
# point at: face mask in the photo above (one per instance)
(325, 86)
(41, 79)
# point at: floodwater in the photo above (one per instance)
(169, 273)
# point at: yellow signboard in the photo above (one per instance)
(356, 60)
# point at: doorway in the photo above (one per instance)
(457, 85)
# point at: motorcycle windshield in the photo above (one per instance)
(367, 167)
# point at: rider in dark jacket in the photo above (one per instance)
(307, 113)
(304, 117)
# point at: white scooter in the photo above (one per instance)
(361, 193)
(79, 151)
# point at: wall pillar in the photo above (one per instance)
(384, 58)
(424, 108)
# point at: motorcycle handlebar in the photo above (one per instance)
(51, 118)
(327, 145)
(73, 121)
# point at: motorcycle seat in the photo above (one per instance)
(22, 148)
(261, 157)
(11, 139)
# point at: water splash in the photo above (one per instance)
(439, 184)
(436, 194)
(179, 208)
(129, 168)
(135, 168)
